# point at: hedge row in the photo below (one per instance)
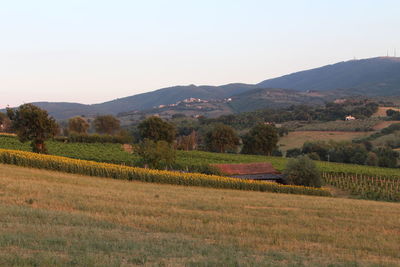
(56, 163)
(94, 138)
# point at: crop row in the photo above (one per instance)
(376, 188)
(186, 160)
(28, 159)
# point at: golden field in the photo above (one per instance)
(50, 218)
(298, 138)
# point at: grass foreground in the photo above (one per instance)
(49, 218)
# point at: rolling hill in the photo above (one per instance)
(368, 77)
(250, 100)
(275, 98)
(378, 76)
(144, 101)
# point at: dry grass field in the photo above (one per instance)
(298, 138)
(382, 111)
(384, 124)
(50, 219)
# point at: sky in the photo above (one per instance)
(91, 51)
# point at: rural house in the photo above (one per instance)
(350, 118)
(252, 171)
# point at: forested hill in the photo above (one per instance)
(368, 77)
(165, 96)
(172, 95)
(378, 76)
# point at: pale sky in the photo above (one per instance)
(91, 51)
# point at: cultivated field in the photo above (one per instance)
(382, 111)
(113, 153)
(298, 138)
(358, 125)
(51, 218)
(384, 124)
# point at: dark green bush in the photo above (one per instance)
(293, 153)
(302, 171)
(156, 155)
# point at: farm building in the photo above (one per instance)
(350, 118)
(252, 171)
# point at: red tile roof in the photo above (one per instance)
(247, 168)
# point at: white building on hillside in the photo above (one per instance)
(350, 118)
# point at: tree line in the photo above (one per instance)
(156, 139)
(360, 109)
(34, 124)
(361, 153)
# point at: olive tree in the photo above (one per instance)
(156, 129)
(5, 123)
(221, 138)
(32, 123)
(261, 139)
(78, 125)
(106, 124)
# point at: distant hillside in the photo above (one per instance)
(250, 100)
(374, 77)
(145, 101)
(172, 95)
(369, 77)
(275, 98)
(64, 110)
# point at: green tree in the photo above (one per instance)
(302, 171)
(372, 159)
(261, 139)
(5, 123)
(156, 154)
(221, 138)
(32, 123)
(156, 129)
(106, 124)
(78, 125)
(187, 142)
(293, 153)
(387, 157)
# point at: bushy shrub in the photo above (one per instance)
(393, 114)
(156, 154)
(313, 156)
(387, 157)
(277, 153)
(293, 153)
(372, 159)
(302, 171)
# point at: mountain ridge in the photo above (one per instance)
(364, 75)
(379, 76)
